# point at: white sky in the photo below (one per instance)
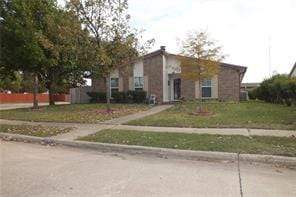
(242, 27)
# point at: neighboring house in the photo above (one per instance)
(249, 86)
(293, 71)
(159, 74)
(246, 88)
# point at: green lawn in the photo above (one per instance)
(76, 113)
(251, 114)
(39, 131)
(237, 144)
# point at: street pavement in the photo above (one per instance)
(31, 170)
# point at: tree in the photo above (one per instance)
(21, 24)
(12, 82)
(40, 38)
(19, 82)
(113, 42)
(65, 46)
(200, 59)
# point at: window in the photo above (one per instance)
(139, 83)
(114, 85)
(206, 87)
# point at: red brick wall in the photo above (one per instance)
(28, 98)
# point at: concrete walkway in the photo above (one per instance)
(139, 115)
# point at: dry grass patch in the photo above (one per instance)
(38, 130)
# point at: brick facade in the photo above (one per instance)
(226, 86)
(98, 85)
(153, 68)
(187, 89)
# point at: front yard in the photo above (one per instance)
(74, 113)
(237, 144)
(251, 114)
(39, 130)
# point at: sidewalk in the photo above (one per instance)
(87, 129)
(5, 106)
(79, 130)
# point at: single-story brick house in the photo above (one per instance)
(159, 73)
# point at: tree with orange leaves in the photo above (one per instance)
(200, 59)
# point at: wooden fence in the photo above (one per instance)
(79, 95)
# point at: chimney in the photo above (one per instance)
(162, 48)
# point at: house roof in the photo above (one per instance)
(293, 70)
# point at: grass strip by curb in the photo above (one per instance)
(266, 145)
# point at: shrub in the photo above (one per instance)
(136, 96)
(278, 89)
(119, 97)
(97, 97)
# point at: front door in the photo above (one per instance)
(177, 89)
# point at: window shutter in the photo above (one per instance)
(130, 83)
(120, 84)
(146, 83)
(215, 87)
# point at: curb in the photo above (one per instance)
(269, 159)
(157, 152)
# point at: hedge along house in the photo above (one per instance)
(159, 73)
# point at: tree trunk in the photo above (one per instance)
(108, 93)
(51, 93)
(35, 99)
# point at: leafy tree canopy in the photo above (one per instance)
(39, 37)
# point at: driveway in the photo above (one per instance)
(4, 106)
(38, 171)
